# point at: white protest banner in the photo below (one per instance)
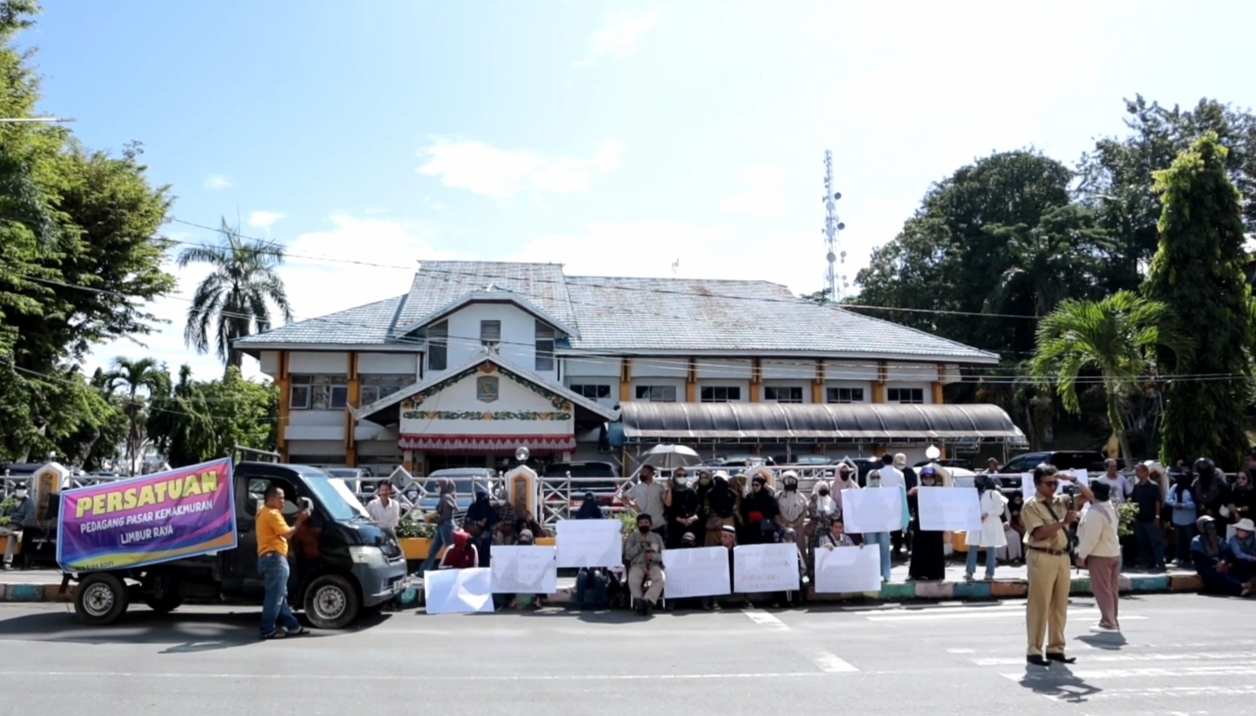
(1027, 485)
(948, 509)
(590, 543)
(458, 591)
(848, 570)
(696, 572)
(878, 509)
(1082, 476)
(765, 568)
(524, 570)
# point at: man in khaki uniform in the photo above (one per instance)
(1046, 518)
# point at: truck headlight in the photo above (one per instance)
(367, 554)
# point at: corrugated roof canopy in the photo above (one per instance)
(830, 422)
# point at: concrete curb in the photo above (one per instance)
(893, 592)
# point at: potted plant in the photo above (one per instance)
(1126, 515)
(415, 534)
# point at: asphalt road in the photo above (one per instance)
(1181, 654)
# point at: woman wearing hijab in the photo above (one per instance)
(480, 522)
(590, 581)
(1210, 488)
(680, 508)
(759, 511)
(1099, 550)
(589, 509)
(446, 508)
(1242, 499)
(1181, 501)
(824, 510)
(1014, 532)
(993, 533)
(928, 555)
(847, 479)
(720, 507)
(1213, 561)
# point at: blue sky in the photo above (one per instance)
(616, 138)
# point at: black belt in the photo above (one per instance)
(1052, 552)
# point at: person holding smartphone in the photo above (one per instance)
(273, 534)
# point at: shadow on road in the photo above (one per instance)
(184, 632)
(1058, 682)
(1106, 641)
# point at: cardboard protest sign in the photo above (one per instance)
(458, 591)
(524, 569)
(765, 568)
(948, 509)
(590, 543)
(697, 572)
(872, 510)
(848, 570)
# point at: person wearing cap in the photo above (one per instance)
(728, 540)
(646, 498)
(1047, 518)
(792, 509)
(643, 551)
(1214, 562)
(19, 514)
(1243, 546)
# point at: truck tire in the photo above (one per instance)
(100, 599)
(161, 593)
(331, 602)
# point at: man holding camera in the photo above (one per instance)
(273, 534)
(644, 554)
(1047, 518)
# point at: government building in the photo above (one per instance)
(480, 358)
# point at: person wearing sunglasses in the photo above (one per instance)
(1047, 517)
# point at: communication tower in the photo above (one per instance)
(835, 284)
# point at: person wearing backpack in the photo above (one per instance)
(1099, 550)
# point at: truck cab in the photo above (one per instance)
(341, 562)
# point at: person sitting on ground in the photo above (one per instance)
(19, 515)
(591, 582)
(789, 598)
(728, 540)
(1243, 546)
(1214, 561)
(687, 541)
(644, 554)
(524, 600)
(836, 536)
(1241, 501)
(461, 554)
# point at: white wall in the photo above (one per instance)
(518, 339)
(394, 363)
(660, 367)
(859, 370)
(798, 369)
(462, 397)
(270, 363)
(911, 372)
(721, 368)
(591, 367)
(318, 363)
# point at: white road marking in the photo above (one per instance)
(1170, 691)
(959, 651)
(394, 677)
(765, 619)
(831, 663)
(1179, 673)
(988, 613)
(1112, 658)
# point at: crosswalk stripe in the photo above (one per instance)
(982, 614)
(1176, 673)
(1118, 658)
(765, 619)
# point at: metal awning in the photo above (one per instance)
(815, 423)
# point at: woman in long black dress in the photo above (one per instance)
(928, 558)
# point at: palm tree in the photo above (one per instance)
(130, 377)
(234, 300)
(1117, 337)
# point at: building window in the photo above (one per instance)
(544, 348)
(438, 346)
(783, 395)
(378, 387)
(657, 393)
(721, 394)
(319, 392)
(490, 333)
(592, 391)
(905, 395)
(844, 395)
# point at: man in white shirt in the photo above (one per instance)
(646, 497)
(1116, 482)
(384, 510)
(891, 476)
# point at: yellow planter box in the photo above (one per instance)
(546, 541)
(415, 548)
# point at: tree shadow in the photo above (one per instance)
(1058, 683)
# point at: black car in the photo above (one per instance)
(1089, 460)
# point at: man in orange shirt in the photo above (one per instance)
(272, 563)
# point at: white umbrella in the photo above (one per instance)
(670, 457)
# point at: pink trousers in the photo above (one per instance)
(1105, 582)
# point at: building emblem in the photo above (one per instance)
(486, 389)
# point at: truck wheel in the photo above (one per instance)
(100, 599)
(331, 602)
(161, 593)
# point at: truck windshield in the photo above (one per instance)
(336, 497)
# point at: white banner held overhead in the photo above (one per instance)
(524, 570)
(590, 543)
(948, 509)
(458, 591)
(765, 568)
(848, 570)
(1027, 482)
(878, 509)
(696, 572)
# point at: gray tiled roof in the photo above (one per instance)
(615, 314)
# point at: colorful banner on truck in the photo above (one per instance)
(150, 519)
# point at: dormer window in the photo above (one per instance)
(490, 334)
(544, 347)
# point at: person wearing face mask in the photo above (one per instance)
(720, 507)
(680, 507)
(1214, 561)
(643, 551)
(792, 510)
(824, 510)
(760, 510)
(20, 514)
(646, 497)
(928, 555)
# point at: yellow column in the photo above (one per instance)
(817, 385)
(938, 398)
(625, 380)
(283, 383)
(355, 395)
(878, 387)
(691, 381)
(756, 380)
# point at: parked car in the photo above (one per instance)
(804, 460)
(949, 462)
(353, 478)
(1089, 460)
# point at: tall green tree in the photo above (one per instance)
(235, 299)
(135, 381)
(1198, 273)
(1116, 338)
(198, 421)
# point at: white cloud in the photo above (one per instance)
(215, 182)
(763, 194)
(483, 169)
(619, 37)
(264, 219)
